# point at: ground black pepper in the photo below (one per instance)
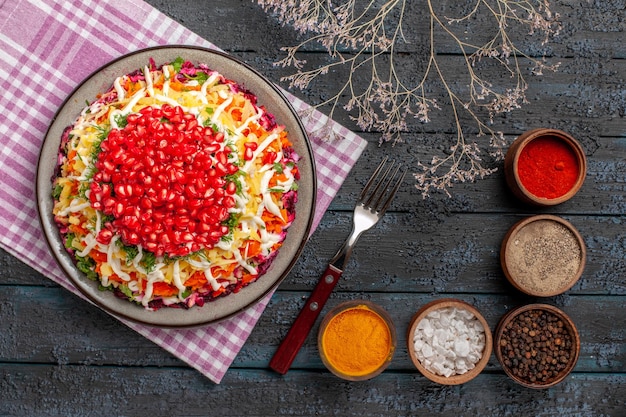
(536, 346)
(544, 257)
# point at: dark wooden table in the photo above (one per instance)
(61, 356)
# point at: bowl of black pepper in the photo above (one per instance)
(543, 255)
(537, 345)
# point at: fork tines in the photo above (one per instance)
(382, 186)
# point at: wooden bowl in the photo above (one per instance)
(507, 359)
(457, 378)
(359, 337)
(511, 166)
(543, 255)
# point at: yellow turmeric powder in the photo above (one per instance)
(357, 341)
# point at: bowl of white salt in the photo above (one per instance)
(449, 341)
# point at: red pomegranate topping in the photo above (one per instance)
(163, 179)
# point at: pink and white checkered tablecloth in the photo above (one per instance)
(48, 48)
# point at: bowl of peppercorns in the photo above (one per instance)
(537, 345)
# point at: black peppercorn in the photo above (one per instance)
(537, 346)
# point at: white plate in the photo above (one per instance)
(269, 96)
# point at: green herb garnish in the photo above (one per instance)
(200, 76)
(56, 192)
(69, 239)
(121, 120)
(86, 265)
(212, 125)
(126, 291)
(131, 251)
(178, 64)
(148, 260)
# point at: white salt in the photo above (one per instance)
(449, 341)
(427, 351)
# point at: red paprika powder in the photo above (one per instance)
(548, 167)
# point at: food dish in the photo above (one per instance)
(179, 252)
(174, 187)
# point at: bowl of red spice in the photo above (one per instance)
(543, 255)
(537, 345)
(545, 167)
(357, 340)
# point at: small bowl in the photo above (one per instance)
(455, 379)
(381, 323)
(566, 333)
(543, 255)
(524, 144)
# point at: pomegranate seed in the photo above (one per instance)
(269, 158)
(229, 202)
(221, 157)
(108, 203)
(118, 210)
(120, 190)
(161, 178)
(213, 147)
(133, 239)
(183, 222)
(194, 203)
(167, 111)
(108, 166)
(104, 237)
(248, 154)
(221, 169)
(231, 188)
(204, 227)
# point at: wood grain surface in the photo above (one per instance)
(61, 356)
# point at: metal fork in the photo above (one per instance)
(371, 206)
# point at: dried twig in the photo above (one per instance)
(365, 35)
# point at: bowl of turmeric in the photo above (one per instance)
(357, 340)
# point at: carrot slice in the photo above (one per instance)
(163, 289)
(253, 248)
(98, 256)
(197, 280)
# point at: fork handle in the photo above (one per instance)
(300, 329)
